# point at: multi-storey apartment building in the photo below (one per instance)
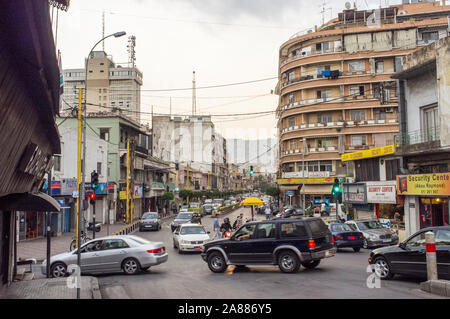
(335, 90)
(110, 86)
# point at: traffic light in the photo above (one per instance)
(336, 191)
(251, 171)
(91, 197)
(94, 180)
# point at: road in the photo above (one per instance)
(188, 276)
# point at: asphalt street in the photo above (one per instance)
(188, 276)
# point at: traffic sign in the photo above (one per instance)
(75, 194)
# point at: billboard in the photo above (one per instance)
(424, 184)
(381, 192)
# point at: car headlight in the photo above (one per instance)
(373, 237)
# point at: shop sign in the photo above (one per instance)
(373, 152)
(328, 180)
(424, 184)
(354, 193)
(318, 174)
(381, 192)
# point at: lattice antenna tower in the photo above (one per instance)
(131, 51)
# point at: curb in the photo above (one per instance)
(437, 287)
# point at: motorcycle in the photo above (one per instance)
(226, 234)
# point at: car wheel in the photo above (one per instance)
(356, 249)
(131, 266)
(216, 262)
(312, 264)
(288, 262)
(382, 268)
(58, 270)
(365, 244)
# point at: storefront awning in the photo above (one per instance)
(39, 202)
(317, 189)
(289, 188)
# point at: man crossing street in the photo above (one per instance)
(268, 212)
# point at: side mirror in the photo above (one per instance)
(402, 245)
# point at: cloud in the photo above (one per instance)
(229, 10)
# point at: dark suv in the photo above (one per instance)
(287, 243)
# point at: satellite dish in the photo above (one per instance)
(348, 5)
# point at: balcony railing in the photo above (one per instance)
(420, 136)
(306, 54)
(338, 124)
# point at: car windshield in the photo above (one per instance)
(139, 240)
(340, 228)
(192, 230)
(369, 225)
(150, 216)
(184, 216)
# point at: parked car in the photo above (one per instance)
(189, 237)
(194, 205)
(207, 209)
(275, 209)
(208, 201)
(126, 253)
(344, 236)
(409, 257)
(218, 202)
(291, 211)
(182, 218)
(227, 202)
(374, 233)
(150, 220)
(286, 243)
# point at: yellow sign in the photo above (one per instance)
(326, 180)
(373, 152)
(424, 184)
(123, 194)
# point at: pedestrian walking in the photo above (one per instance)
(268, 212)
(216, 228)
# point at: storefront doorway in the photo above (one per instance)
(434, 212)
(31, 225)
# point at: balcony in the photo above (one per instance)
(333, 74)
(339, 124)
(306, 54)
(419, 141)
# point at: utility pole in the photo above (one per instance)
(79, 211)
(48, 215)
(194, 98)
(132, 180)
(128, 182)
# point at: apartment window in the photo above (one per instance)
(313, 166)
(430, 36)
(104, 134)
(356, 90)
(430, 123)
(291, 121)
(380, 114)
(99, 90)
(325, 166)
(324, 143)
(379, 66)
(322, 68)
(291, 98)
(324, 46)
(291, 76)
(105, 90)
(57, 163)
(324, 117)
(293, 145)
(99, 168)
(323, 94)
(358, 140)
(392, 169)
(355, 66)
(358, 115)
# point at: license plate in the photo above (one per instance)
(386, 240)
(197, 247)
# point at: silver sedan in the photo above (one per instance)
(129, 254)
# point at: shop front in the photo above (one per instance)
(426, 200)
(315, 189)
(355, 194)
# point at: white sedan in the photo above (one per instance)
(190, 237)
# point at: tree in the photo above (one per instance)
(168, 196)
(185, 193)
(274, 192)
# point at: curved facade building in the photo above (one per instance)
(336, 94)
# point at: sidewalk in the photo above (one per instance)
(37, 248)
(55, 288)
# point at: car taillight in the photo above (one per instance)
(311, 244)
(157, 250)
(351, 237)
(332, 239)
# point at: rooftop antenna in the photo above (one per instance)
(131, 51)
(324, 10)
(103, 30)
(194, 99)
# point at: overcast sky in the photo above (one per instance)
(224, 41)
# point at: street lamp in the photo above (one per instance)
(83, 165)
